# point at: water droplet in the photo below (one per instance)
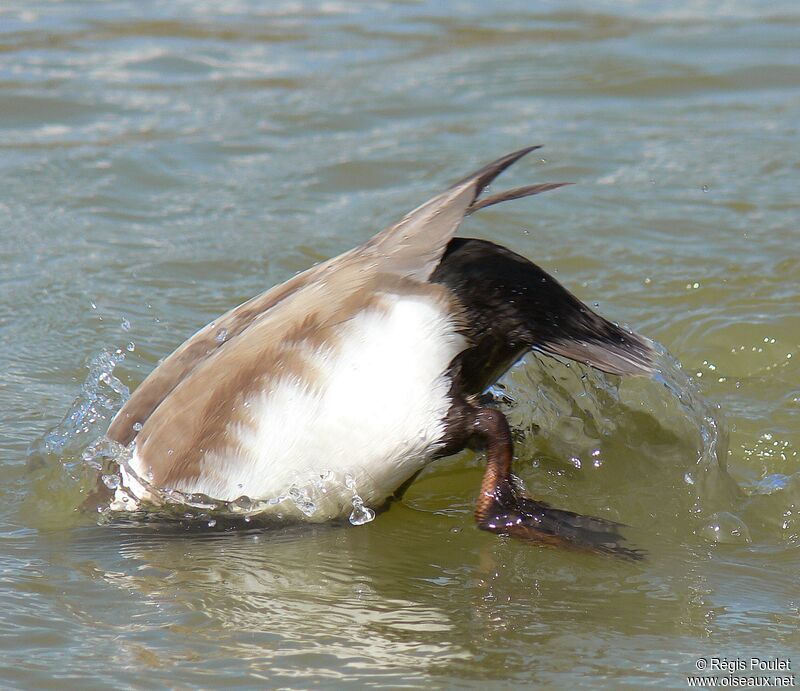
(222, 334)
(726, 528)
(302, 501)
(137, 426)
(361, 514)
(125, 324)
(111, 481)
(130, 347)
(705, 188)
(212, 523)
(241, 504)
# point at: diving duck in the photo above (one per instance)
(362, 370)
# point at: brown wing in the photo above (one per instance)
(150, 393)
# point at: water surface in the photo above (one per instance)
(162, 162)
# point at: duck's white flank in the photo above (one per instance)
(373, 413)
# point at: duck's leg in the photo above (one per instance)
(504, 509)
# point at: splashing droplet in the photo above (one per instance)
(726, 528)
(242, 504)
(222, 334)
(94, 405)
(302, 501)
(111, 481)
(361, 514)
(125, 324)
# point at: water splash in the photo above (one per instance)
(715, 491)
(707, 417)
(301, 498)
(360, 514)
(645, 450)
(102, 395)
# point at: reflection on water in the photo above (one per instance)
(162, 165)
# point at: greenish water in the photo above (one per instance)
(162, 162)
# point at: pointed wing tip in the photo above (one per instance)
(484, 176)
(493, 169)
(523, 152)
(516, 193)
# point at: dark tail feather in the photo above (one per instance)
(516, 193)
(484, 176)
